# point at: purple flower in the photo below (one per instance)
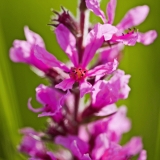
(133, 17)
(113, 127)
(78, 73)
(78, 147)
(33, 146)
(108, 92)
(22, 51)
(106, 134)
(52, 102)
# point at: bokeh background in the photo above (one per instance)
(18, 82)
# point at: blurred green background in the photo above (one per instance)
(18, 82)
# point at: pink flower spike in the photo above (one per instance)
(107, 68)
(94, 6)
(67, 42)
(111, 7)
(65, 84)
(49, 59)
(133, 17)
(147, 37)
(85, 87)
(95, 39)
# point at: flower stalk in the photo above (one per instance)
(80, 101)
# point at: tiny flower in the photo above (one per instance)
(22, 51)
(108, 92)
(114, 126)
(52, 102)
(33, 146)
(78, 73)
(78, 147)
(106, 134)
(133, 17)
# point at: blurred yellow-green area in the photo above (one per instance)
(18, 82)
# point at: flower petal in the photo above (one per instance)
(111, 10)
(107, 68)
(67, 42)
(147, 37)
(86, 157)
(85, 87)
(94, 6)
(95, 39)
(22, 51)
(74, 144)
(109, 54)
(133, 147)
(133, 17)
(51, 101)
(36, 110)
(33, 38)
(129, 39)
(108, 92)
(143, 155)
(48, 58)
(65, 84)
(101, 144)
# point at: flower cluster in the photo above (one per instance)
(84, 122)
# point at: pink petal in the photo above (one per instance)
(147, 38)
(48, 58)
(143, 155)
(129, 39)
(134, 17)
(101, 144)
(65, 84)
(108, 92)
(111, 10)
(94, 6)
(104, 94)
(86, 157)
(118, 125)
(108, 31)
(67, 42)
(51, 100)
(133, 147)
(107, 110)
(22, 51)
(36, 110)
(120, 81)
(33, 38)
(85, 87)
(109, 54)
(74, 144)
(95, 39)
(107, 68)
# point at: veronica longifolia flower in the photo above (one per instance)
(79, 73)
(132, 18)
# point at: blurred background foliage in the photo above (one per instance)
(18, 82)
